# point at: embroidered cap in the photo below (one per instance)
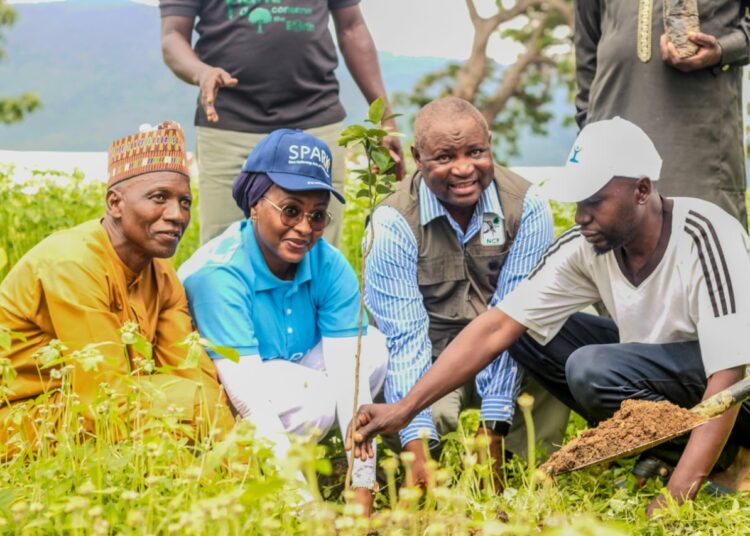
(160, 148)
(603, 150)
(294, 160)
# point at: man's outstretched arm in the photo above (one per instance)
(474, 348)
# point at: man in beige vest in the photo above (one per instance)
(459, 235)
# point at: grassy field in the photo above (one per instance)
(167, 478)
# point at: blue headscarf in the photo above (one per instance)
(248, 188)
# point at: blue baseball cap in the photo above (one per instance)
(293, 160)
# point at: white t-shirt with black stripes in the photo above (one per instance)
(700, 290)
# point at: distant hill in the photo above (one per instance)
(96, 64)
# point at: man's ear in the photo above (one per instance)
(114, 202)
(416, 156)
(643, 189)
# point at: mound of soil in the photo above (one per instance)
(635, 423)
(680, 19)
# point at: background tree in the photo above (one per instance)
(13, 109)
(513, 95)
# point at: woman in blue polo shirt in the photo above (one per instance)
(286, 300)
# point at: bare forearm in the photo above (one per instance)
(361, 59)
(487, 336)
(701, 453)
(181, 58)
(177, 51)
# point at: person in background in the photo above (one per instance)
(690, 107)
(81, 285)
(287, 301)
(261, 67)
(460, 233)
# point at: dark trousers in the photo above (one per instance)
(590, 371)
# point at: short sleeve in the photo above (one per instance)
(337, 296)
(720, 253)
(222, 308)
(338, 4)
(556, 288)
(179, 8)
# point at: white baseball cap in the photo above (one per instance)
(603, 150)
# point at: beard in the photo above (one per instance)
(614, 238)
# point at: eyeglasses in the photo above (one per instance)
(291, 215)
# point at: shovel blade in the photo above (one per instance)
(633, 451)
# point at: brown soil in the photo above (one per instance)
(636, 422)
(680, 19)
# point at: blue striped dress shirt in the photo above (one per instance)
(392, 295)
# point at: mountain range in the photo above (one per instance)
(97, 67)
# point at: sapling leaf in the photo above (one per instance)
(375, 113)
(350, 134)
(377, 134)
(382, 158)
(363, 193)
(382, 189)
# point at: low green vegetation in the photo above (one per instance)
(155, 475)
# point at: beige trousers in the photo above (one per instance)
(221, 154)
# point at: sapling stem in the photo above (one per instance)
(375, 181)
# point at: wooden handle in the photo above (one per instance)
(723, 400)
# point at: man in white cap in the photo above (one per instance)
(671, 272)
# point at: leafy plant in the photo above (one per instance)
(13, 110)
(375, 180)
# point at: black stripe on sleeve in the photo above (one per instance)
(706, 274)
(722, 259)
(567, 236)
(709, 248)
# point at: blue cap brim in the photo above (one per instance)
(300, 183)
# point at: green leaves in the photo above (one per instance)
(193, 357)
(6, 338)
(7, 372)
(195, 344)
(382, 158)
(130, 335)
(375, 113)
(376, 179)
(3, 258)
(351, 134)
(226, 352)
